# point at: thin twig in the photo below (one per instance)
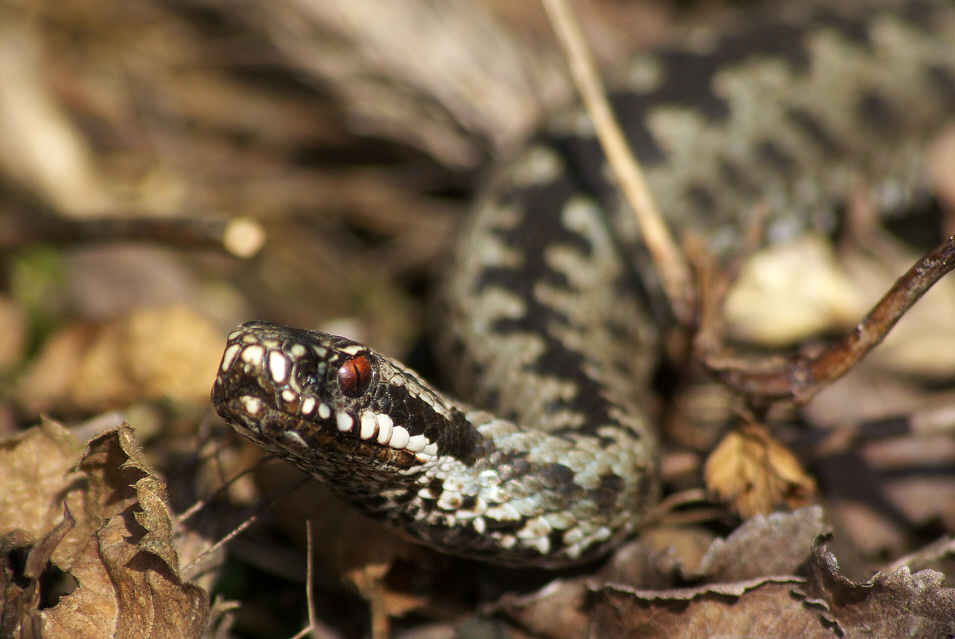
(802, 377)
(265, 503)
(203, 502)
(191, 570)
(309, 570)
(674, 272)
(665, 512)
(304, 632)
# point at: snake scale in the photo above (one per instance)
(549, 309)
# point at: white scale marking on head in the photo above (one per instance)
(297, 350)
(384, 421)
(324, 411)
(368, 425)
(235, 334)
(278, 367)
(345, 421)
(229, 356)
(352, 349)
(431, 449)
(416, 444)
(385, 429)
(289, 395)
(293, 438)
(252, 405)
(253, 354)
(399, 437)
(412, 470)
(308, 405)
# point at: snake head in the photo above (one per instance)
(331, 406)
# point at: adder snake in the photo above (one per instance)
(550, 312)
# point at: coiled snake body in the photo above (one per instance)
(549, 313)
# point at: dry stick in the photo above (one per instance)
(309, 572)
(266, 502)
(304, 632)
(240, 236)
(204, 501)
(193, 569)
(315, 628)
(802, 377)
(674, 272)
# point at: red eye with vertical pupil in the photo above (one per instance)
(354, 376)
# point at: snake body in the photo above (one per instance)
(549, 311)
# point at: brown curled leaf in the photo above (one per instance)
(120, 553)
(558, 611)
(761, 607)
(21, 597)
(150, 353)
(34, 467)
(901, 604)
(777, 544)
(754, 473)
(823, 604)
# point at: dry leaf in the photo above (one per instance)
(558, 611)
(152, 353)
(754, 473)
(762, 546)
(822, 605)
(901, 604)
(120, 552)
(753, 608)
(34, 470)
(788, 292)
(21, 602)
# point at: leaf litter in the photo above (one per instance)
(144, 101)
(115, 542)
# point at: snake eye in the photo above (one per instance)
(355, 376)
